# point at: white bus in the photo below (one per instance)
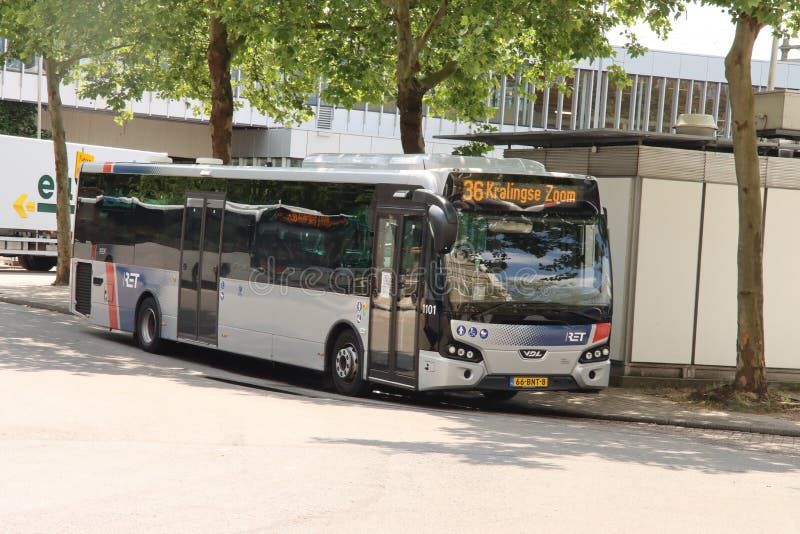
(413, 271)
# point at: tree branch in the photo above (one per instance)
(422, 40)
(435, 78)
(327, 26)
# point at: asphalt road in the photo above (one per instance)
(97, 436)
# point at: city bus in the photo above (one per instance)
(415, 272)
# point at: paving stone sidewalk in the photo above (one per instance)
(32, 289)
(615, 404)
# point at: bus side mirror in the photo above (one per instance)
(442, 230)
(442, 219)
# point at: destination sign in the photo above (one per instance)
(521, 194)
(309, 219)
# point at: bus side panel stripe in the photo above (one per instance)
(111, 286)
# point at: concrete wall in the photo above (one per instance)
(666, 272)
(176, 138)
(616, 194)
(781, 284)
(716, 311)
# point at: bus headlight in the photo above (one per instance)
(595, 354)
(460, 351)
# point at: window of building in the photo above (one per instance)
(510, 100)
(552, 108)
(697, 97)
(540, 105)
(585, 99)
(640, 110)
(656, 104)
(390, 105)
(611, 103)
(683, 97)
(566, 106)
(670, 105)
(625, 119)
(525, 106)
(722, 113)
(710, 106)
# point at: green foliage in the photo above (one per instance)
(475, 148)
(783, 16)
(60, 29)
(169, 59)
(459, 49)
(17, 118)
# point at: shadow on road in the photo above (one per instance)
(37, 340)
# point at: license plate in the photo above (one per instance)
(528, 382)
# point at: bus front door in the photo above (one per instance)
(198, 297)
(393, 323)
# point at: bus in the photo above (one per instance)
(417, 272)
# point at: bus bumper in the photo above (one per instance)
(438, 372)
(583, 377)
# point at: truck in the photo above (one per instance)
(28, 194)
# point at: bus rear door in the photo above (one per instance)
(198, 299)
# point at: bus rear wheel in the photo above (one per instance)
(346, 361)
(147, 332)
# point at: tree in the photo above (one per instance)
(750, 17)
(449, 53)
(57, 31)
(189, 52)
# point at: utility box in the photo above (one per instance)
(778, 110)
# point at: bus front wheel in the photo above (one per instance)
(148, 326)
(346, 361)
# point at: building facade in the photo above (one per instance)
(663, 86)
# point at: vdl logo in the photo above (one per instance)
(532, 354)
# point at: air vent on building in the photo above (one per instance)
(325, 117)
(696, 124)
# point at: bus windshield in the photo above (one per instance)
(559, 259)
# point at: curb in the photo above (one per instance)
(755, 428)
(58, 308)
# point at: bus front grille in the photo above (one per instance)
(83, 288)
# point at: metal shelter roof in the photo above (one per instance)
(611, 137)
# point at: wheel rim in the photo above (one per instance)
(346, 362)
(147, 326)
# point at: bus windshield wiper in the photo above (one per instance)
(593, 314)
(483, 313)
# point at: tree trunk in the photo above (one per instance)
(409, 90)
(750, 367)
(409, 103)
(63, 202)
(219, 68)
